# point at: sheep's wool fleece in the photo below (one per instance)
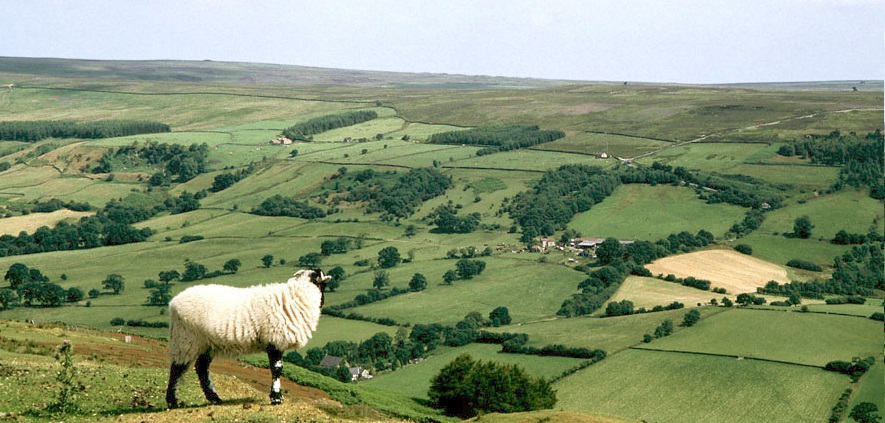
(232, 321)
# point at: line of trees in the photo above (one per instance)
(558, 196)
(286, 206)
(394, 195)
(227, 179)
(36, 130)
(498, 137)
(177, 162)
(861, 157)
(303, 131)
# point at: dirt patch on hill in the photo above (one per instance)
(143, 352)
(29, 223)
(727, 269)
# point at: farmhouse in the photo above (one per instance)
(357, 373)
(281, 141)
(547, 243)
(332, 362)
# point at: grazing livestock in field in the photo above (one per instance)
(209, 321)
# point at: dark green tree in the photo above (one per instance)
(418, 282)
(161, 295)
(114, 282)
(388, 257)
(267, 260)
(17, 275)
(500, 316)
(167, 276)
(802, 227)
(338, 275)
(232, 265)
(692, 317)
(466, 387)
(467, 269)
(8, 298)
(865, 412)
(381, 280)
(609, 251)
(193, 271)
(664, 329)
(310, 260)
(449, 277)
(74, 294)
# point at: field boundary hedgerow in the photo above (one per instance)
(737, 357)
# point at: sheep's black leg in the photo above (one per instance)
(275, 358)
(175, 372)
(202, 368)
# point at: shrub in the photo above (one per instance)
(118, 321)
(805, 265)
(744, 249)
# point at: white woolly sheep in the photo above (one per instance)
(208, 321)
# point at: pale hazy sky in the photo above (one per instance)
(691, 41)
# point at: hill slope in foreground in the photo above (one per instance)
(122, 378)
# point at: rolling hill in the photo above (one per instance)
(683, 161)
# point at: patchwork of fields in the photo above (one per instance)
(735, 365)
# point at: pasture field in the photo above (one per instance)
(852, 211)
(626, 214)
(524, 159)
(799, 176)
(863, 310)
(773, 335)
(613, 145)
(422, 131)
(414, 380)
(612, 334)
(29, 223)
(870, 387)
(727, 269)
(184, 112)
(673, 387)
(370, 129)
(781, 249)
(649, 292)
(513, 284)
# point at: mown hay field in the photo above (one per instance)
(679, 388)
(30, 222)
(774, 335)
(727, 269)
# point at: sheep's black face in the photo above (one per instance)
(320, 280)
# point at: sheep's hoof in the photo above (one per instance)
(174, 404)
(276, 401)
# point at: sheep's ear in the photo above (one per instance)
(324, 277)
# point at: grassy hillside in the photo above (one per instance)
(235, 109)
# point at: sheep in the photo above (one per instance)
(209, 321)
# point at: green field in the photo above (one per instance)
(773, 335)
(509, 283)
(236, 109)
(612, 145)
(611, 334)
(414, 379)
(652, 212)
(673, 387)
